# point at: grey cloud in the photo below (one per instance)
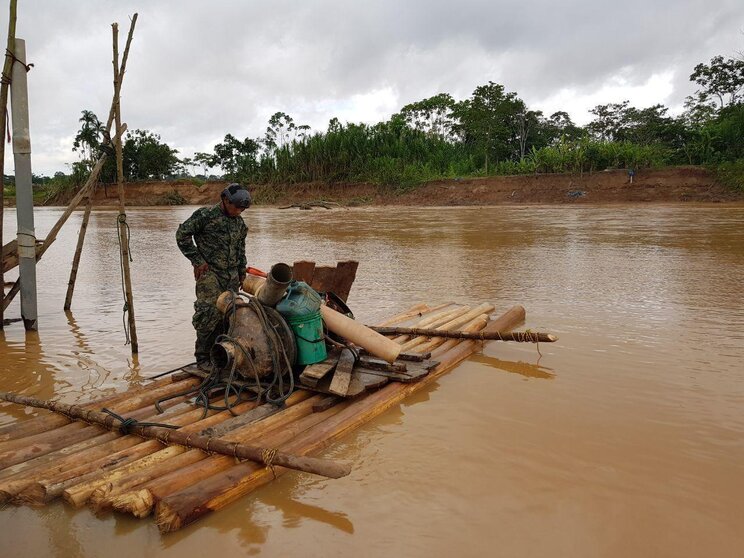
(201, 69)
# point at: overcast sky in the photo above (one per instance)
(199, 69)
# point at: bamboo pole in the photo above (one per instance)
(322, 467)
(435, 342)
(50, 483)
(47, 442)
(3, 122)
(140, 501)
(46, 421)
(102, 498)
(433, 319)
(68, 459)
(144, 399)
(81, 491)
(188, 505)
(95, 172)
(447, 322)
(519, 336)
(78, 252)
(122, 219)
(477, 324)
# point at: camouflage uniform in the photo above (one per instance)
(219, 241)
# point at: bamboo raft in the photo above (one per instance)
(52, 456)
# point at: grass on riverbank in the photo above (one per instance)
(731, 174)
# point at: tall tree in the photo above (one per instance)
(721, 82)
(204, 160)
(488, 121)
(279, 131)
(88, 139)
(237, 159)
(433, 116)
(610, 121)
(146, 156)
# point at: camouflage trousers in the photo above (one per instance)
(208, 320)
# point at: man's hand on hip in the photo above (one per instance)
(200, 270)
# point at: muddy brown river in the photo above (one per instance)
(626, 438)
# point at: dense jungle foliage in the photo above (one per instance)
(491, 132)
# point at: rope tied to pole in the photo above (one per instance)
(267, 456)
(128, 423)
(121, 219)
(10, 54)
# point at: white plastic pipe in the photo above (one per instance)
(359, 334)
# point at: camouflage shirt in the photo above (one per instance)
(218, 240)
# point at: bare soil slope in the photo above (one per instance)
(677, 184)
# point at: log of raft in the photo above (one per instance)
(127, 474)
(205, 443)
(519, 336)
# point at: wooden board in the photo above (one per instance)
(314, 372)
(342, 375)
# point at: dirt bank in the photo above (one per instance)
(678, 184)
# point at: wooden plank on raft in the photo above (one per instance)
(342, 375)
(324, 278)
(345, 275)
(303, 271)
(315, 372)
(326, 403)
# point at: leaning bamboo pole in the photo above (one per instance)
(95, 172)
(184, 507)
(3, 120)
(48, 421)
(138, 407)
(69, 460)
(78, 252)
(435, 342)
(123, 228)
(52, 482)
(433, 320)
(519, 336)
(140, 401)
(452, 323)
(120, 480)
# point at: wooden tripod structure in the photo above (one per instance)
(9, 259)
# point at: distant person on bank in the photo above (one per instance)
(213, 239)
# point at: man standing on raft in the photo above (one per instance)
(213, 239)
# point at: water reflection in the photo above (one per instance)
(295, 512)
(522, 368)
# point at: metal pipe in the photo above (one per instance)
(276, 284)
(24, 188)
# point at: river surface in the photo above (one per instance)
(626, 438)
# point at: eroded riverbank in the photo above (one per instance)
(672, 185)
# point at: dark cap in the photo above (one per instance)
(237, 195)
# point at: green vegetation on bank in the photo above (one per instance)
(492, 132)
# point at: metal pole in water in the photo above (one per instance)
(24, 187)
